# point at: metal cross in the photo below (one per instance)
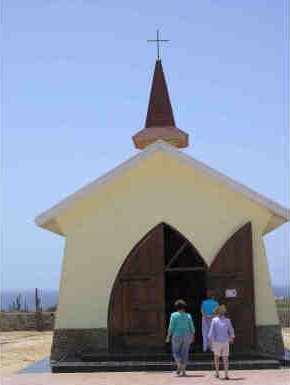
(158, 41)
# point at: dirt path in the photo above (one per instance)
(20, 349)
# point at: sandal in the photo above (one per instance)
(183, 374)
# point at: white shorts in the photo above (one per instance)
(221, 348)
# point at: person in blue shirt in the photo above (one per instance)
(207, 311)
(182, 333)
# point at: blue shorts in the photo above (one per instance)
(180, 347)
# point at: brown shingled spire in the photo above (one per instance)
(159, 108)
(160, 122)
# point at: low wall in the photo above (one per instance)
(284, 317)
(26, 321)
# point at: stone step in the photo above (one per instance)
(135, 366)
(160, 357)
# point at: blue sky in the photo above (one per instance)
(76, 77)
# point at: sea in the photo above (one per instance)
(48, 297)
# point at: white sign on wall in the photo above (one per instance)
(231, 293)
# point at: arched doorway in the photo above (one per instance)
(161, 268)
(185, 276)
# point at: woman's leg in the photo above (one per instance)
(178, 365)
(226, 366)
(204, 330)
(176, 347)
(216, 364)
(187, 339)
(225, 354)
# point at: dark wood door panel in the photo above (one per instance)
(136, 318)
(232, 268)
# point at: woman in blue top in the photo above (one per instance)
(182, 333)
(207, 311)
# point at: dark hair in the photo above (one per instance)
(180, 304)
(210, 293)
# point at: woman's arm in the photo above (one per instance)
(211, 333)
(169, 334)
(170, 328)
(191, 327)
(231, 332)
(202, 310)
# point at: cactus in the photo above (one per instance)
(25, 306)
(38, 311)
(38, 307)
(18, 302)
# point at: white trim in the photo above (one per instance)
(94, 186)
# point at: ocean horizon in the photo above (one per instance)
(48, 297)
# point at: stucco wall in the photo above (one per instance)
(102, 230)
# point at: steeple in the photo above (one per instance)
(160, 122)
(159, 111)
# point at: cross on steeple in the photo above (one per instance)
(158, 41)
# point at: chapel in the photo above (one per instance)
(158, 227)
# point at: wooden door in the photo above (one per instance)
(136, 315)
(232, 273)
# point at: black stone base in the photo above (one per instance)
(269, 340)
(69, 344)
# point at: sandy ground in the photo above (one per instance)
(20, 349)
(241, 377)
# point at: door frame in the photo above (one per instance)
(167, 269)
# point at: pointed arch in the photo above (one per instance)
(179, 251)
(231, 277)
(137, 307)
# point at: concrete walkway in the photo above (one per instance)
(242, 377)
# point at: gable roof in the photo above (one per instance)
(283, 214)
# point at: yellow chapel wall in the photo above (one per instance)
(103, 229)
